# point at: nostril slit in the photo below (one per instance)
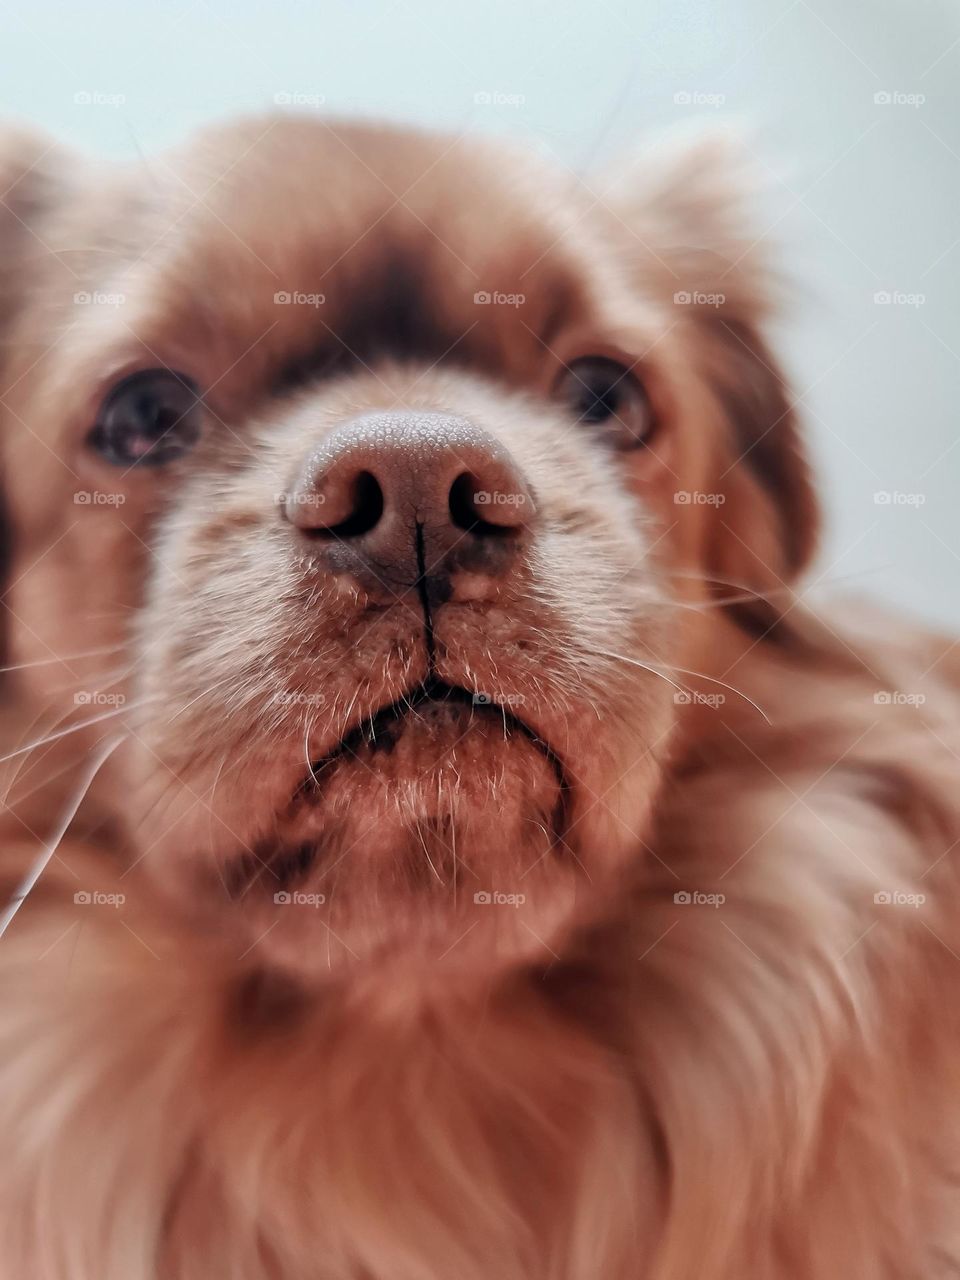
(467, 495)
(365, 511)
(462, 510)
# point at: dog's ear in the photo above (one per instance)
(33, 177)
(695, 207)
(33, 173)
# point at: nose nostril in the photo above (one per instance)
(462, 510)
(468, 499)
(365, 510)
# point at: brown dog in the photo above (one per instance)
(447, 844)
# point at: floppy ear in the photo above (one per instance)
(769, 521)
(32, 172)
(695, 205)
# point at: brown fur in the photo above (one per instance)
(403, 1083)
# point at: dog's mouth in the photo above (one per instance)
(432, 701)
(441, 786)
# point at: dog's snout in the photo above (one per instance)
(396, 498)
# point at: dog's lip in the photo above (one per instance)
(290, 862)
(430, 690)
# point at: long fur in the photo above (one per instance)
(719, 1038)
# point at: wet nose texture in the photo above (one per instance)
(413, 500)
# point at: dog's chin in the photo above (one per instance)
(434, 831)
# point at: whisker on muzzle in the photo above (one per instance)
(655, 669)
(36, 871)
(63, 658)
(75, 728)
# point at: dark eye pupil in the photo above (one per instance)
(148, 420)
(599, 391)
(599, 402)
(150, 411)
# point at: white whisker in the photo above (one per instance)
(715, 680)
(74, 728)
(36, 871)
(635, 662)
(70, 657)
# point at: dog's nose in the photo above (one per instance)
(413, 499)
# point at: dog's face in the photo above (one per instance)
(377, 471)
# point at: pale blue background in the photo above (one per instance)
(868, 194)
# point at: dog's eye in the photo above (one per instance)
(148, 419)
(604, 392)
